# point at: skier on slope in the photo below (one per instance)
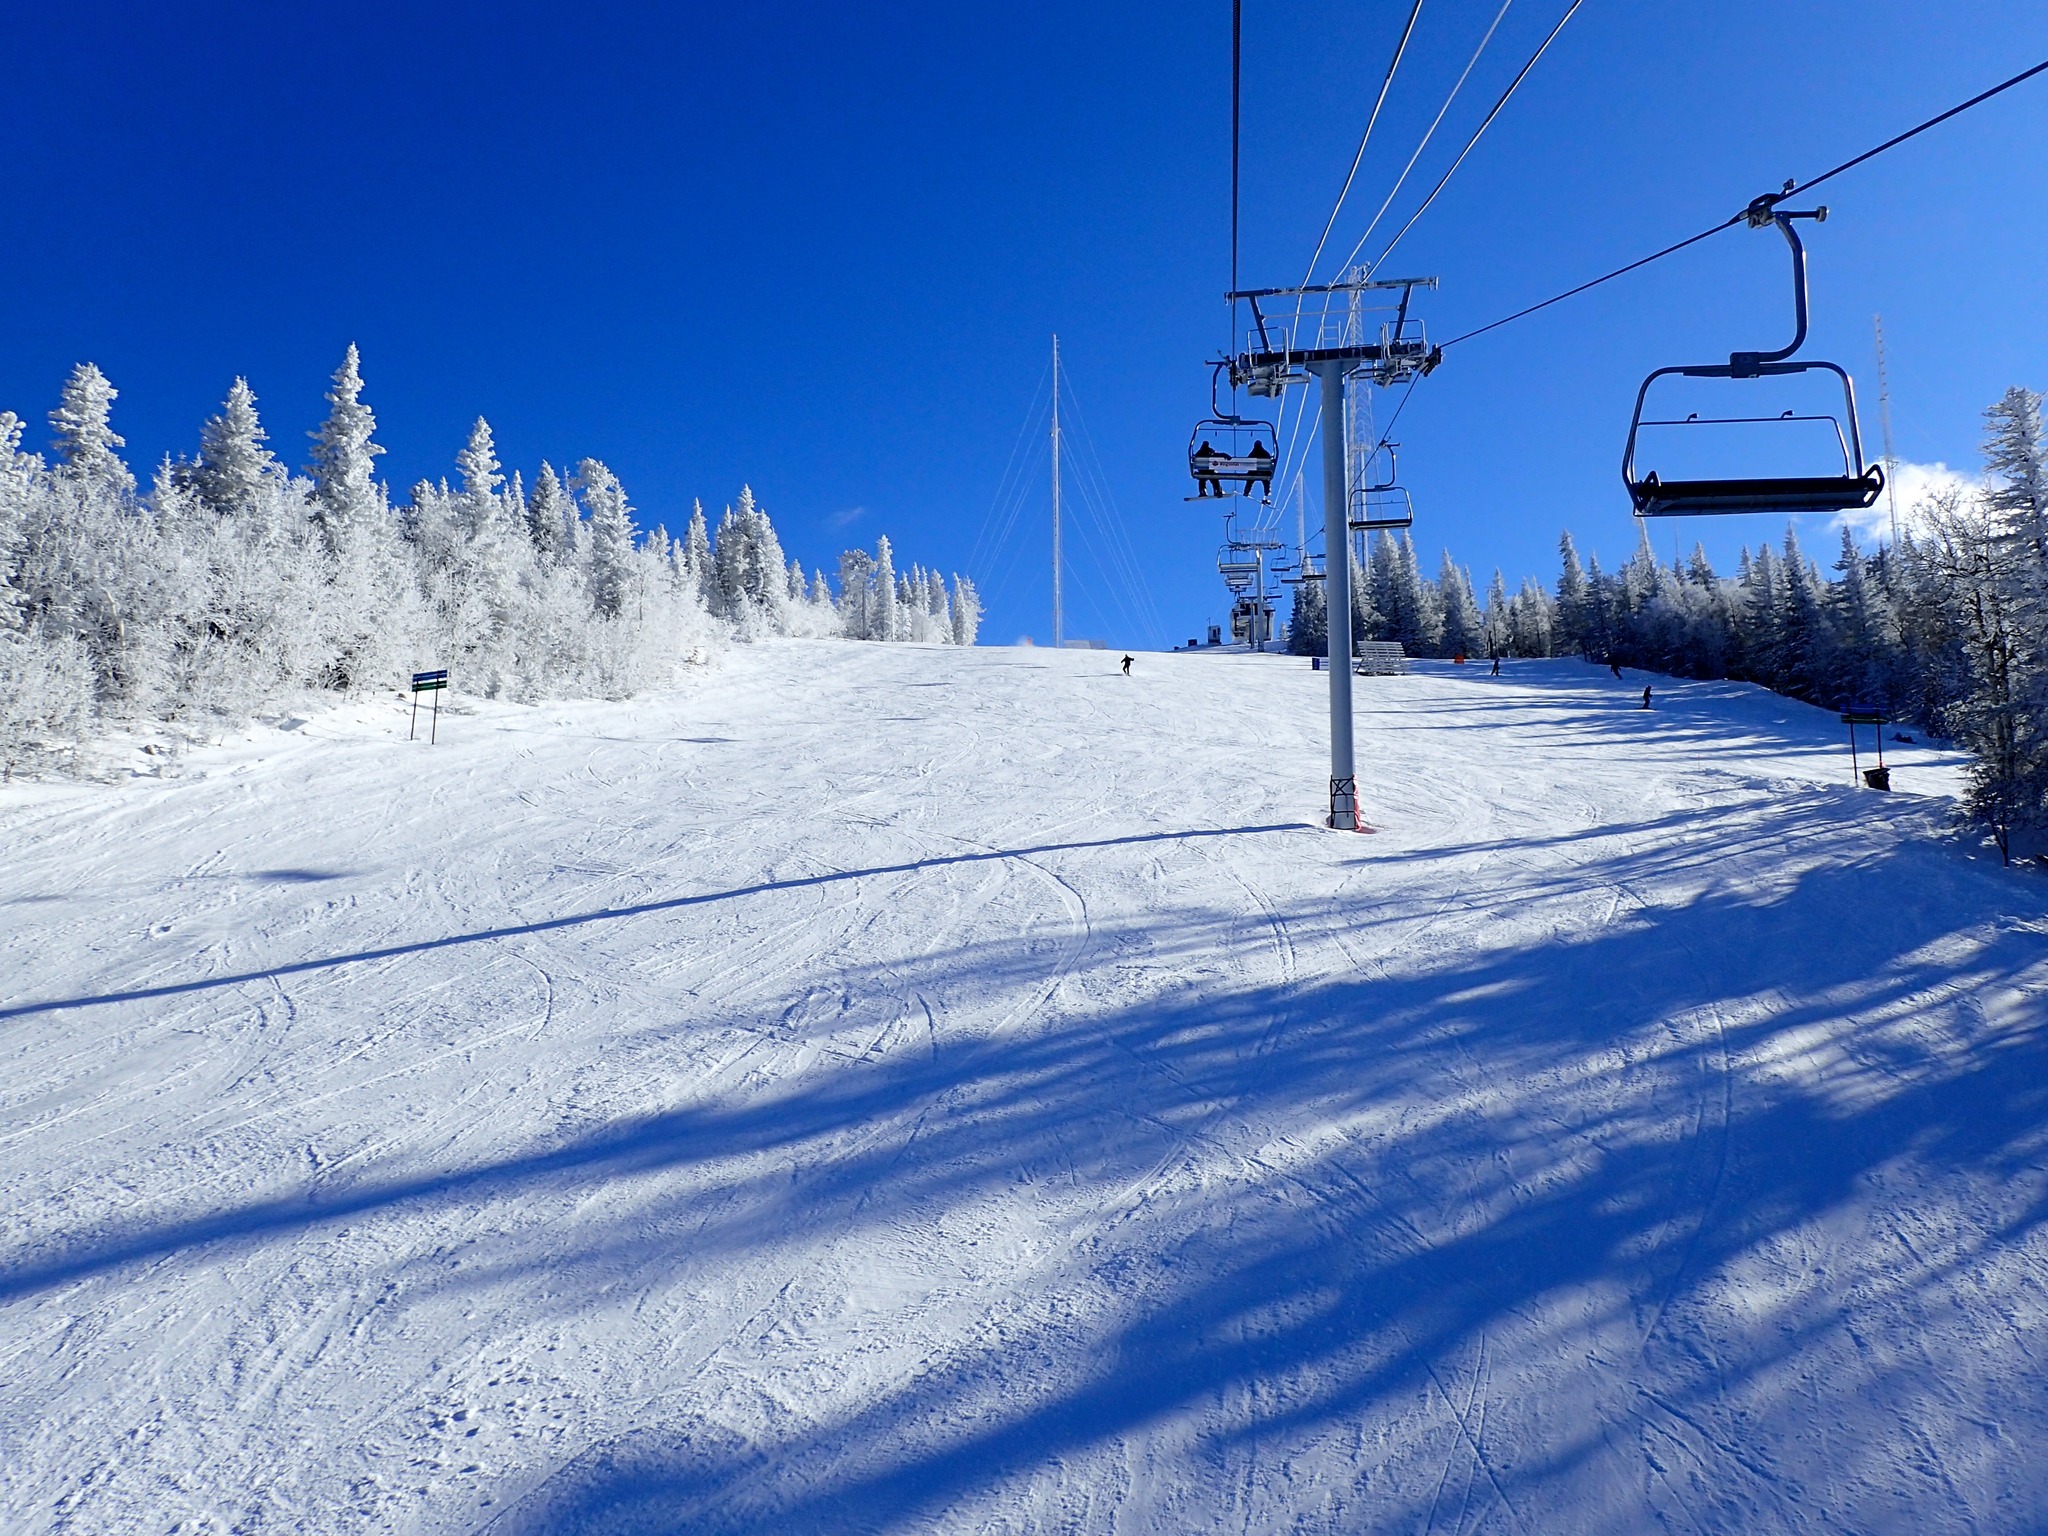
(1127, 666)
(1646, 695)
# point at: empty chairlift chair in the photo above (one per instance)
(1858, 484)
(1381, 502)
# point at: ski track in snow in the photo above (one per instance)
(889, 1088)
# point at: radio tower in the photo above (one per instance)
(1058, 617)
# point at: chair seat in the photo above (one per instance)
(1698, 498)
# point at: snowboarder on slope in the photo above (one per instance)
(1614, 666)
(1127, 666)
(1646, 695)
(1496, 667)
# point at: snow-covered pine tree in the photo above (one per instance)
(85, 438)
(19, 474)
(1308, 626)
(1531, 622)
(1417, 616)
(1570, 632)
(546, 523)
(611, 538)
(482, 474)
(1500, 619)
(882, 617)
(764, 581)
(233, 465)
(696, 556)
(856, 589)
(1464, 631)
(1970, 552)
(966, 611)
(1596, 635)
(2016, 464)
(1803, 639)
(344, 456)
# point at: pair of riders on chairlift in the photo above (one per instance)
(1207, 463)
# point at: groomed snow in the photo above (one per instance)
(890, 1088)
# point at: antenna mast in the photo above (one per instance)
(1884, 412)
(1058, 619)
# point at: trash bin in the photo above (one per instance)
(1878, 778)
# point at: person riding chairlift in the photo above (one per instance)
(1206, 459)
(1259, 453)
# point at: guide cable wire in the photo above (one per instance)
(1386, 85)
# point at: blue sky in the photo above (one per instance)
(822, 249)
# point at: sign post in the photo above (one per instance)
(1879, 777)
(427, 682)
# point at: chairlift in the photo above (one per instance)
(1857, 486)
(1240, 572)
(1381, 502)
(1227, 447)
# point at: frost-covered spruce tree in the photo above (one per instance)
(546, 528)
(84, 435)
(1499, 616)
(1464, 632)
(47, 681)
(482, 474)
(234, 467)
(1366, 622)
(764, 582)
(966, 611)
(611, 538)
(883, 619)
(1308, 625)
(696, 556)
(344, 457)
(19, 474)
(2016, 464)
(1570, 636)
(1531, 621)
(1980, 568)
(856, 588)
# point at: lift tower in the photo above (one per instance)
(1327, 335)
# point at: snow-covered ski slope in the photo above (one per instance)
(882, 1088)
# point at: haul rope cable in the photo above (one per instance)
(1344, 191)
(1766, 202)
(1541, 48)
(1402, 179)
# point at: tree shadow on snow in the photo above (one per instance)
(1281, 1217)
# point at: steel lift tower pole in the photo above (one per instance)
(1330, 343)
(1337, 594)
